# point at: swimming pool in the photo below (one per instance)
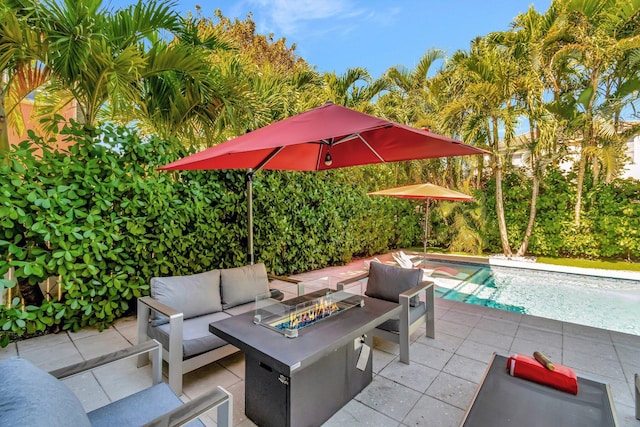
(602, 302)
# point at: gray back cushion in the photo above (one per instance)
(388, 282)
(30, 396)
(241, 285)
(192, 295)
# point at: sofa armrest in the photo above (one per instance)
(298, 282)
(217, 397)
(340, 286)
(152, 346)
(410, 293)
(429, 289)
(175, 353)
(158, 306)
(283, 278)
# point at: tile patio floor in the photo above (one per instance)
(434, 390)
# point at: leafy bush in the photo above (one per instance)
(103, 220)
(609, 225)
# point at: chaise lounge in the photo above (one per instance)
(504, 400)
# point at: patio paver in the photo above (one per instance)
(433, 391)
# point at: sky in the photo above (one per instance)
(335, 35)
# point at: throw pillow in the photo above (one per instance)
(243, 284)
(192, 295)
(387, 282)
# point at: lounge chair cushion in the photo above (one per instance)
(138, 409)
(192, 295)
(393, 325)
(242, 284)
(387, 282)
(195, 333)
(30, 396)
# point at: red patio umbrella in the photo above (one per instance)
(424, 192)
(326, 137)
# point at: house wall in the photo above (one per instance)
(632, 170)
(30, 122)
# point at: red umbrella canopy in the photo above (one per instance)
(327, 137)
(423, 191)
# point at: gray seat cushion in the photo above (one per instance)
(195, 332)
(192, 295)
(30, 396)
(393, 325)
(138, 409)
(243, 284)
(241, 309)
(387, 282)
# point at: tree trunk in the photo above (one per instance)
(502, 224)
(4, 126)
(595, 167)
(587, 136)
(582, 165)
(532, 216)
(534, 134)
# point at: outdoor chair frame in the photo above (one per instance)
(406, 327)
(637, 389)
(176, 363)
(217, 397)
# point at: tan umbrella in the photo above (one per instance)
(424, 192)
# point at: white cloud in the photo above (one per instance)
(294, 17)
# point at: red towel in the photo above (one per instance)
(563, 378)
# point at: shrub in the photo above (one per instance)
(103, 220)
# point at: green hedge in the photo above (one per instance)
(104, 220)
(610, 221)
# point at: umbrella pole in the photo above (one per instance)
(426, 226)
(250, 214)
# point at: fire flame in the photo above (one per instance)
(323, 308)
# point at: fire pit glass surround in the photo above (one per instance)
(289, 318)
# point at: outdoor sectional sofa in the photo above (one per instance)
(180, 309)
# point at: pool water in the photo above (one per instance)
(606, 303)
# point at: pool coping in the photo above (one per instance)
(597, 272)
(501, 261)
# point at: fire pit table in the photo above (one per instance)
(305, 357)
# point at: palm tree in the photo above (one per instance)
(355, 88)
(483, 89)
(526, 44)
(248, 82)
(595, 36)
(413, 88)
(185, 101)
(21, 47)
(98, 57)
(414, 100)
